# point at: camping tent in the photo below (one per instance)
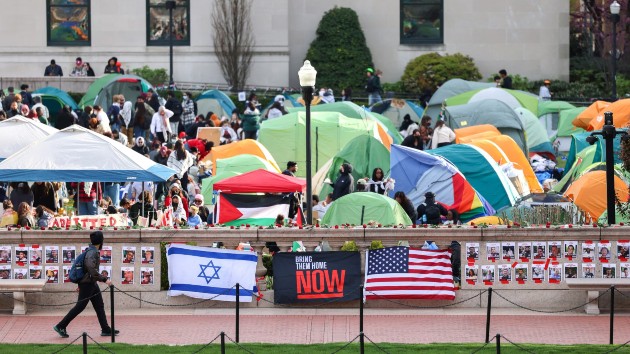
(364, 153)
(396, 109)
(331, 131)
(289, 102)
(417, 172)
(247, 146)
(549, 115)
(104, 88)
(481, 172)
(512, 98)
(579, 143)
(76, 154)
(392, 130)
(207, 185)
(591, 112)
(451, 88)
(481, 131)
(537, 139)
(491, 112)
(361, 208)
(18, 132)
(621, 115)
(54, 99)
(589, 192)
(244, 163)
(215, 101)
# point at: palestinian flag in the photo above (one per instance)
(259, 210)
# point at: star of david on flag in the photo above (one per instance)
(211, 273)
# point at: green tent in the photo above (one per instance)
(481, 172)
(586, 163)
(104, 88)
(363, 207)
(535, 133)
(512, 98)
(391, 129)
(579, 143)
(243, 163)
(207, 183)
(546, 107)
(396, 110)
(451, 88)
(364, 153)
(54, 99)
(565, 122)
(330, 131)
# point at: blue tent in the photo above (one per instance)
(215, 101)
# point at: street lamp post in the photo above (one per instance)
(170, 5)
(307, 76)
(615, 8)
(609, 132)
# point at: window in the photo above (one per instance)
(68, 22)
(158, 23)
(421, 21)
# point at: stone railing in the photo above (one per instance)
(65, 83)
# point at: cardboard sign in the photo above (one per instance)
(211, 134)
(87, 221)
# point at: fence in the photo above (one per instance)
(361, 336)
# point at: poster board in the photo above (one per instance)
(211, 134)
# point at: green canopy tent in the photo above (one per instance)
(215, 101)
(284, 138)
(512, 98)
(451, 88)
(364, 207)
(364, 153)
(535, 133)
(104, 88)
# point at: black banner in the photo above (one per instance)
(300, 277)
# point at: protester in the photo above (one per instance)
(506, 80)
(442, 135)
(89, 193)
(160, 126)
(143, 207)
(431, 212)
(406, 204)
(251, 121)
(140, 147)
(188, 114)
(544, 93)
(227, 134)
(373, 87)
(194, 219)
(25, 215)
(276, 111)
(176, 108)
(344, 183)
(79, 69)
(322, 207)
(44, 195)
(180, 161)
(162, 156)
(88, 290)
(142, 117)
(111, 67)
(53, 69)
(103, 119)
(180, 215)
(94, 125)
(414, 140)
(204, 146)
(291, 169)
(88, 69)
(44, 109)
(204, 212)
(27, 98)
(126, 119)
(378, 183)
(21, 193)
(43, 215)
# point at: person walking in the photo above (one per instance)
(373, 87)
(544, 93)
(89, 290)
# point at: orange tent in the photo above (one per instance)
(247, 146)
(482, 131)
(621, 115)
(590, 113)
(589, 193)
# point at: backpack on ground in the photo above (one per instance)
(432, 211)
(77, 271)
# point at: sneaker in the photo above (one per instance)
(109, 333)
(62, 332)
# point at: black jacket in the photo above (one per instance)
(172, 104)
(91, 265)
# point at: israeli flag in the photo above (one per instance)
(211, 273)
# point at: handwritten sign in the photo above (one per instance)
(87, 221)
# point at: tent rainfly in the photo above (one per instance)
(18, 132)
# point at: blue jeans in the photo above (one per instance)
(137, 131)
(88, 208)
(373, 98)
(112, 190)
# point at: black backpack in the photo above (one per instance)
(77, 271)
(432, 211)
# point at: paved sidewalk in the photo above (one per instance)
(308, 326)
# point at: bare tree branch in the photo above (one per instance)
(233, 40)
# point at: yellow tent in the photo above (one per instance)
(468, 134)
(490, 220)
(247, 146)
(589, 193)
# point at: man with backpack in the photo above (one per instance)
(174, 106)
(85, 273)
(430, 212)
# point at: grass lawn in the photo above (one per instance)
(316, 348)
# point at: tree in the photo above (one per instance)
(339, 52)
(233, 40)
(426, 72)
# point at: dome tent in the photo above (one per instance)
(104, 88)
(361, 208)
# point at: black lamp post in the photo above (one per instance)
(170, 5)
(307, 76)
(608, 132)
(615, 8)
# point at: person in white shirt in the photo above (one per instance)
(38, 103)
(227, 134)
(322, 207)
(160, 127)
(442, 135)
(544, 93)
(103, 119)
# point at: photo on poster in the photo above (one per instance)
(588, 250)
(540, 250)
(609, 270)
(106, 254)
(507, 250)
(588, 270)
(52, 274)
(525, 250)
(52, 254)
(149, 252)
(126, 275)
(623, 250)
(625, 270)
(66, 274)
(35, 255)
(128, 254)
(5, 254)
(487, 273)
(472, 272)
(555, 272)
(35, 272)
(106, 271)
(538, 272)
(69, 253)
(5, 271)
(604, 251)
(146, 274)
(570, 270)
(570, 249)
(21, 255)
(471, 253)
(520, 272)
(555, 249)
(84, 249)
(492, 251)
(505, 272)
(20, 273)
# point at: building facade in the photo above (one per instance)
(530, 38)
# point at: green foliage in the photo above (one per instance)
(350, 246)
(154, 76)
(427, 71)
(339, 52)
(376, 244)
(267, 260)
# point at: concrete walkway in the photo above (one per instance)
(313, 326)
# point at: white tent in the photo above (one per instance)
(76, 154)
(18, 132)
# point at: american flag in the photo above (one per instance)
(408, 273)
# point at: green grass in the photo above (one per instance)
(258, 348)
